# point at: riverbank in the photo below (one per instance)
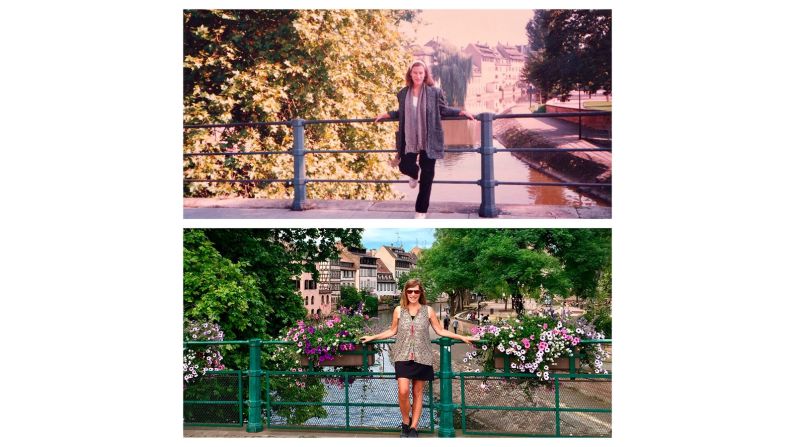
(576, 167)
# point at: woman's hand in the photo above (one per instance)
(367, 338)
(467, 340)
(395, 161)
(463, 113)
(382, 116)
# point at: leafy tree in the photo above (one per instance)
(350, 297)
(453, 70)
(516, 261)
(278, 65)
(243, 280)
(570, 48)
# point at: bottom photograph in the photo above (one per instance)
(410, 332)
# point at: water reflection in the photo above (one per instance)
(507, 167)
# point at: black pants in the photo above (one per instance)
(408, 166)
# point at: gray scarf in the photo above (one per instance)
(416, 124)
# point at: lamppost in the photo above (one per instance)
(579, 109)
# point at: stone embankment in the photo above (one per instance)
(580, 167)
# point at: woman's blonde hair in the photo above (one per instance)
(404, 301)
(428, 78)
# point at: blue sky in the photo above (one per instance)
(409, 237)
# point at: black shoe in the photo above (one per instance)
(404, 430)
(412, 433)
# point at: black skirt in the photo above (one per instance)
(413, 370)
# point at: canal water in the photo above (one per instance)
(507, 167)
(376, 390)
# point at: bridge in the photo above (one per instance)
(214, 208)
(362, 402)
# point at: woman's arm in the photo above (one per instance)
(387, 333)
(445, 110)
(441, 331)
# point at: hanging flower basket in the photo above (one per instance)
(561, 364)
(349, 358)
(331, 340)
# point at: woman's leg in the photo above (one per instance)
(428, 166)
(408, 165)
(416, 390)
(403, 398)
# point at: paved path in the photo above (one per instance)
(242, 208)
(562, 134)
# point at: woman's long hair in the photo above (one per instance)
(428, 78)
(404, 301)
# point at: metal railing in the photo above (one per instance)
(261, 411)
(487, 181)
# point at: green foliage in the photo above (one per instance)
(292, 388)
(219, 290)
(494, 262)
(350, 298)
(453, 71)
(244, 279)
(570, 48)
(277, 65)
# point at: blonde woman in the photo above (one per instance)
(412, 353)
(421, 107)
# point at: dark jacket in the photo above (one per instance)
(436, 109)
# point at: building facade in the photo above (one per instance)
(308, 288)
(386, 287)
(396, 260)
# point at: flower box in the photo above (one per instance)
(349, 358)
(561, 364)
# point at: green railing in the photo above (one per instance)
(580, 405)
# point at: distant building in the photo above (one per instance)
(386, 288)
(329, 281)
(308, 288)
(496, 77)
(398, 261)
(349, 270)
(365, 276)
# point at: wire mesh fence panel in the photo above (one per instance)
(518, 406)
(349, 402)
(586, 394)
(214, 398)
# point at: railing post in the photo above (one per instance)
(299, 166)
(254, 386)
(488, 206)
(446, 406)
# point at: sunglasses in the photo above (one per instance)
(410, 291)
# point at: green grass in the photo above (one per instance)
(606, 106)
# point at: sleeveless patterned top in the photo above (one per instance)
(413, 341)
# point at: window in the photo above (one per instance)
(310, 284)
(306, 301)
(313, 301)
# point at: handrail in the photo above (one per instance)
(445, 375)
(487, 182)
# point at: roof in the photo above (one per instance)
(510, 52)
(485, 50)
(382, 267)
(400, 254)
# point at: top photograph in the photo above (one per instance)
(405, 114)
